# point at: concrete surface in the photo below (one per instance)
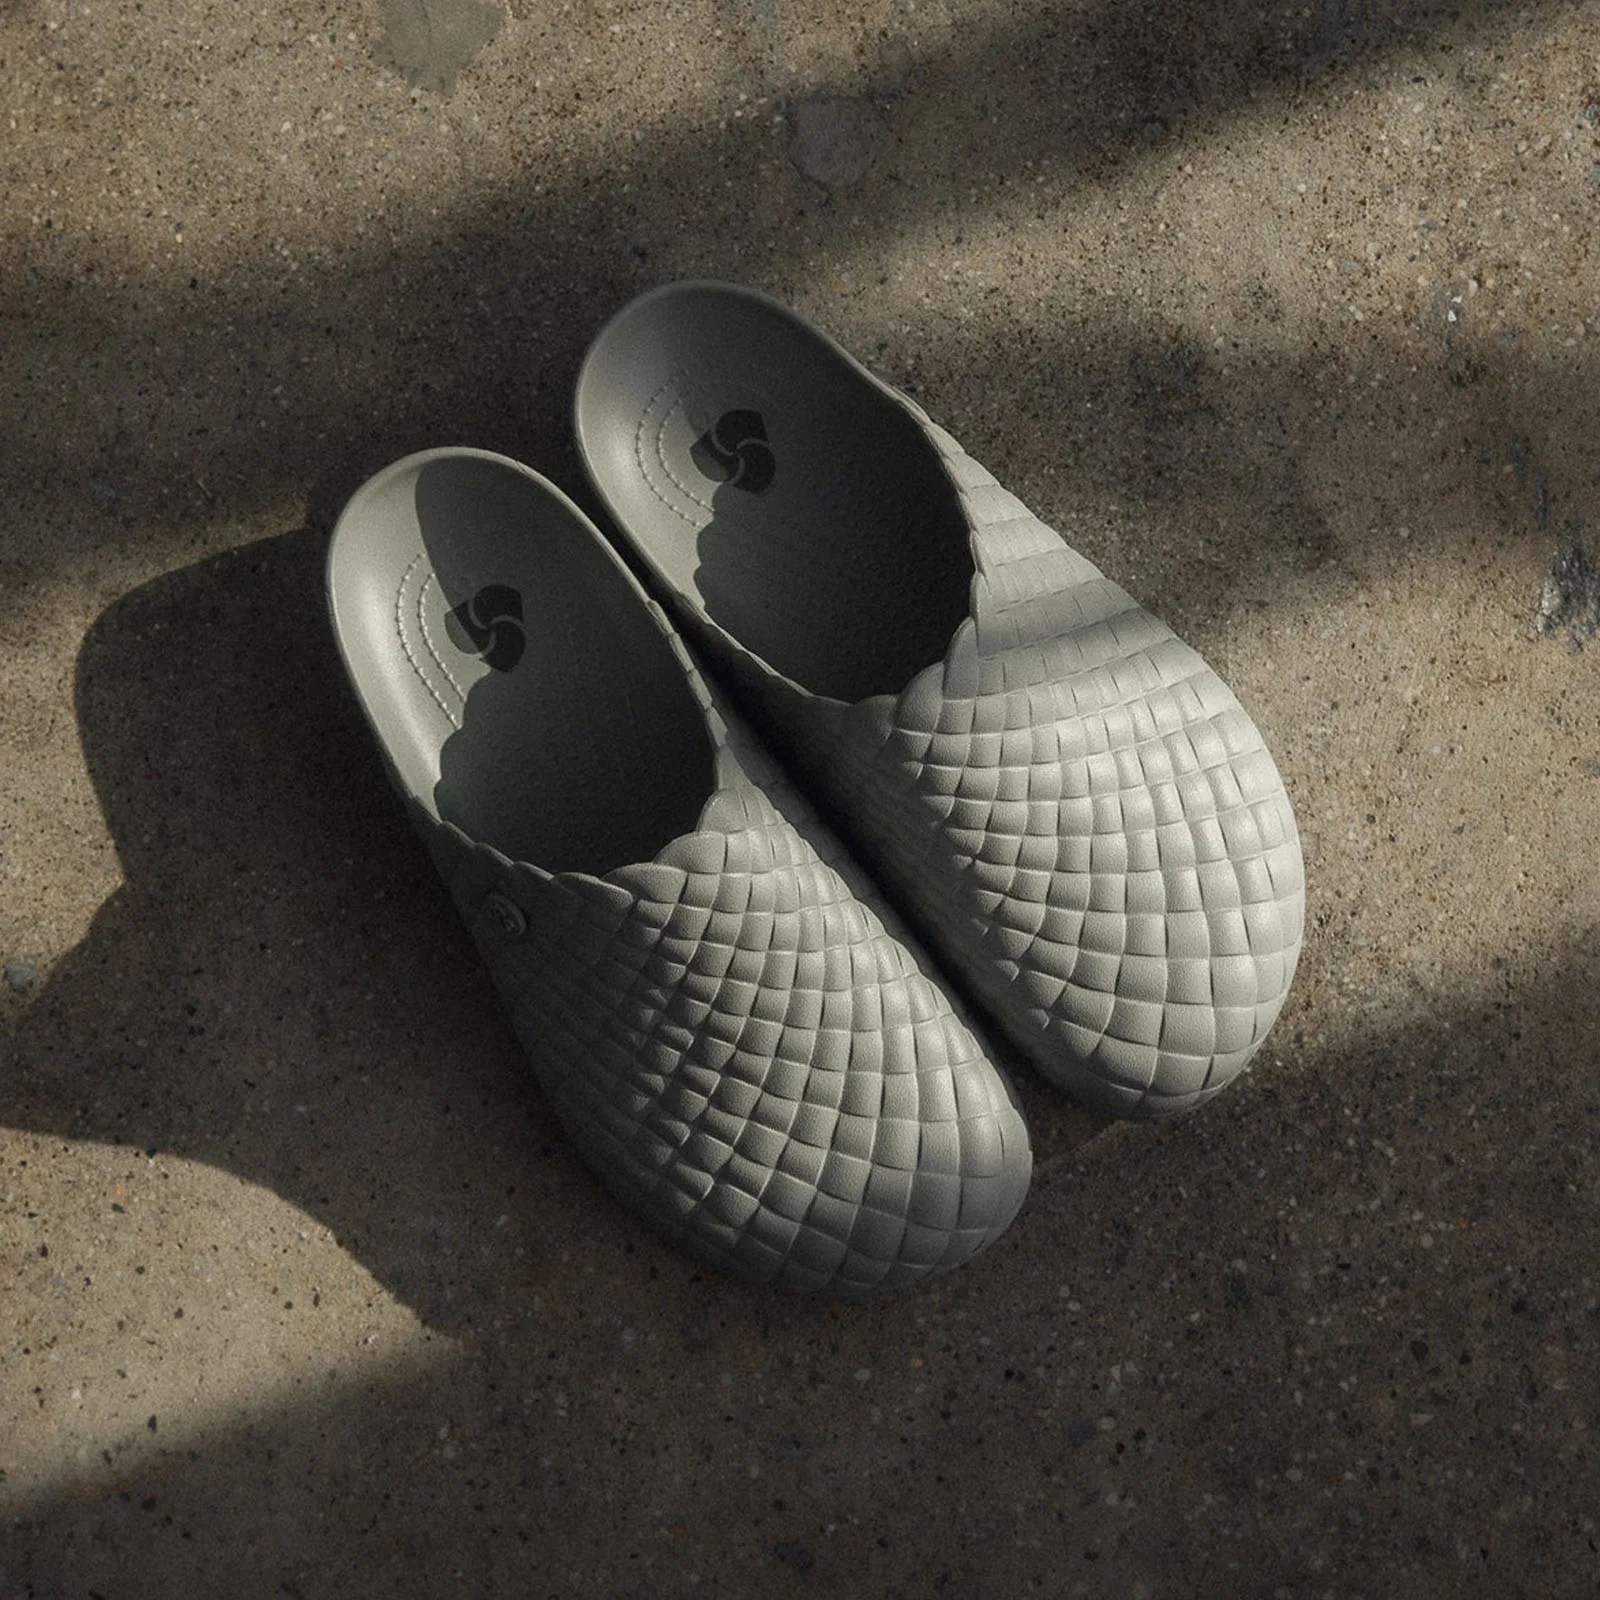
(1287, 312)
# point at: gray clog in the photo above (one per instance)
(1073, 808)
(734, 1039)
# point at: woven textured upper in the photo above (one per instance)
(744, 1052)
(1077, 812)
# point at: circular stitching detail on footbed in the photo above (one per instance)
(680, 403)
(640, 456)
(427, 638)
(405, 643)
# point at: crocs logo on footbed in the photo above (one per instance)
(489, 625)
(734, 450)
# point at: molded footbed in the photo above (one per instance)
(518, 683)
(808, 516)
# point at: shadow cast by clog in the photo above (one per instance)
(280, 988)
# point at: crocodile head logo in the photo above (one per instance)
(489, 625)
(734, 450)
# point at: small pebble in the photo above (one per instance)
(20, 976)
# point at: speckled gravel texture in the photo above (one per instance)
(1288, 314)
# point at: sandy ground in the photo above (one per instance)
(1289, 315)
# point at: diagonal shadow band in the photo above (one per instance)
(1141, 440)
(166, 401)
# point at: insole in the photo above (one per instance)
(509, 666)
(770, 480)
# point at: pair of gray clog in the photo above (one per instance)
(737, 1031)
